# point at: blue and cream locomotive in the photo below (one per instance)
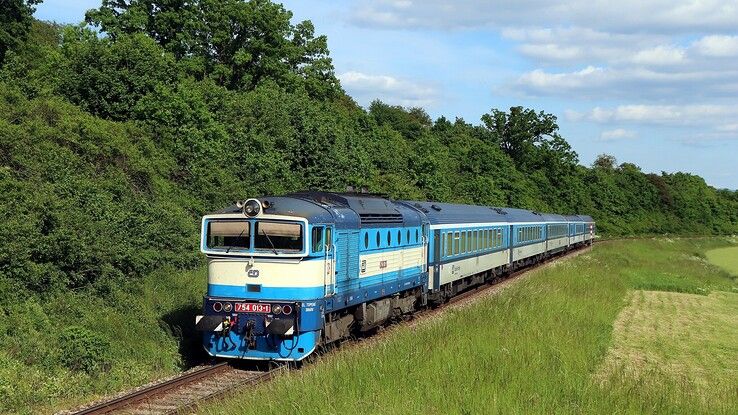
(287, 274)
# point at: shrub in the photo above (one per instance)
(84, 350)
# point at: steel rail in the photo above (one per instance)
(152, 390)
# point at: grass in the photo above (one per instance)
(681, 338)
(543, 346)
(726, 258)
(145, 326)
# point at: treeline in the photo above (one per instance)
(113, 143)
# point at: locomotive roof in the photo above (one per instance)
(346, 210)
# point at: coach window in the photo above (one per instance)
(457, 243)
(449, 244)
(317, 239)
(463, 243)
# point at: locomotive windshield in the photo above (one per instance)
(278, 236)
(232, 234)
(250, 235)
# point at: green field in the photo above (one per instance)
(631, 327)
(726, 258)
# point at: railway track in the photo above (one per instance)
(182, 393)
(191, 389)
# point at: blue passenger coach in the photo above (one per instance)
(288, 273)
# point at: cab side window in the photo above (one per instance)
(328, 239)
(317, 239)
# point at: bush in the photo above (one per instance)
(84, 350)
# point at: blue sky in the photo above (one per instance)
(653, 83)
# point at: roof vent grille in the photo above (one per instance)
(385, 218)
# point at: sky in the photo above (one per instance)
(653, 83)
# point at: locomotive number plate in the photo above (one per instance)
(253, 308)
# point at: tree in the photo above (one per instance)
(109, 78)
(520, 131)
(605, 162)
(237, 43)
(16, 17)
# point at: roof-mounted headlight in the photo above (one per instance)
(251, 207)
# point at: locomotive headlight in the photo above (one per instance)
(217, 307)
(227, 307)
(276, 309)
(251, 208)
(286, 309)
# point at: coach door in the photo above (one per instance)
(434, 274)
(330, 262)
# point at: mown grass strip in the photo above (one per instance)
(537, 347)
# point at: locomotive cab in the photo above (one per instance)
(267, 276)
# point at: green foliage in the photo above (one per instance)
(240, 44)
(144, 324)
(83, 350)
(16, 17)
(83, 198)
(108, 78)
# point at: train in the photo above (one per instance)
(289, 274)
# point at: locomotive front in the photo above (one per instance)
(268, 261)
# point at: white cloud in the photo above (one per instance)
(660, 55)
(590, 45)
(717, 46)
(392, 90)
(655, 16)
(551, 51)
(571, 80)
(632, 83)
(617, 134)
(660, 114)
